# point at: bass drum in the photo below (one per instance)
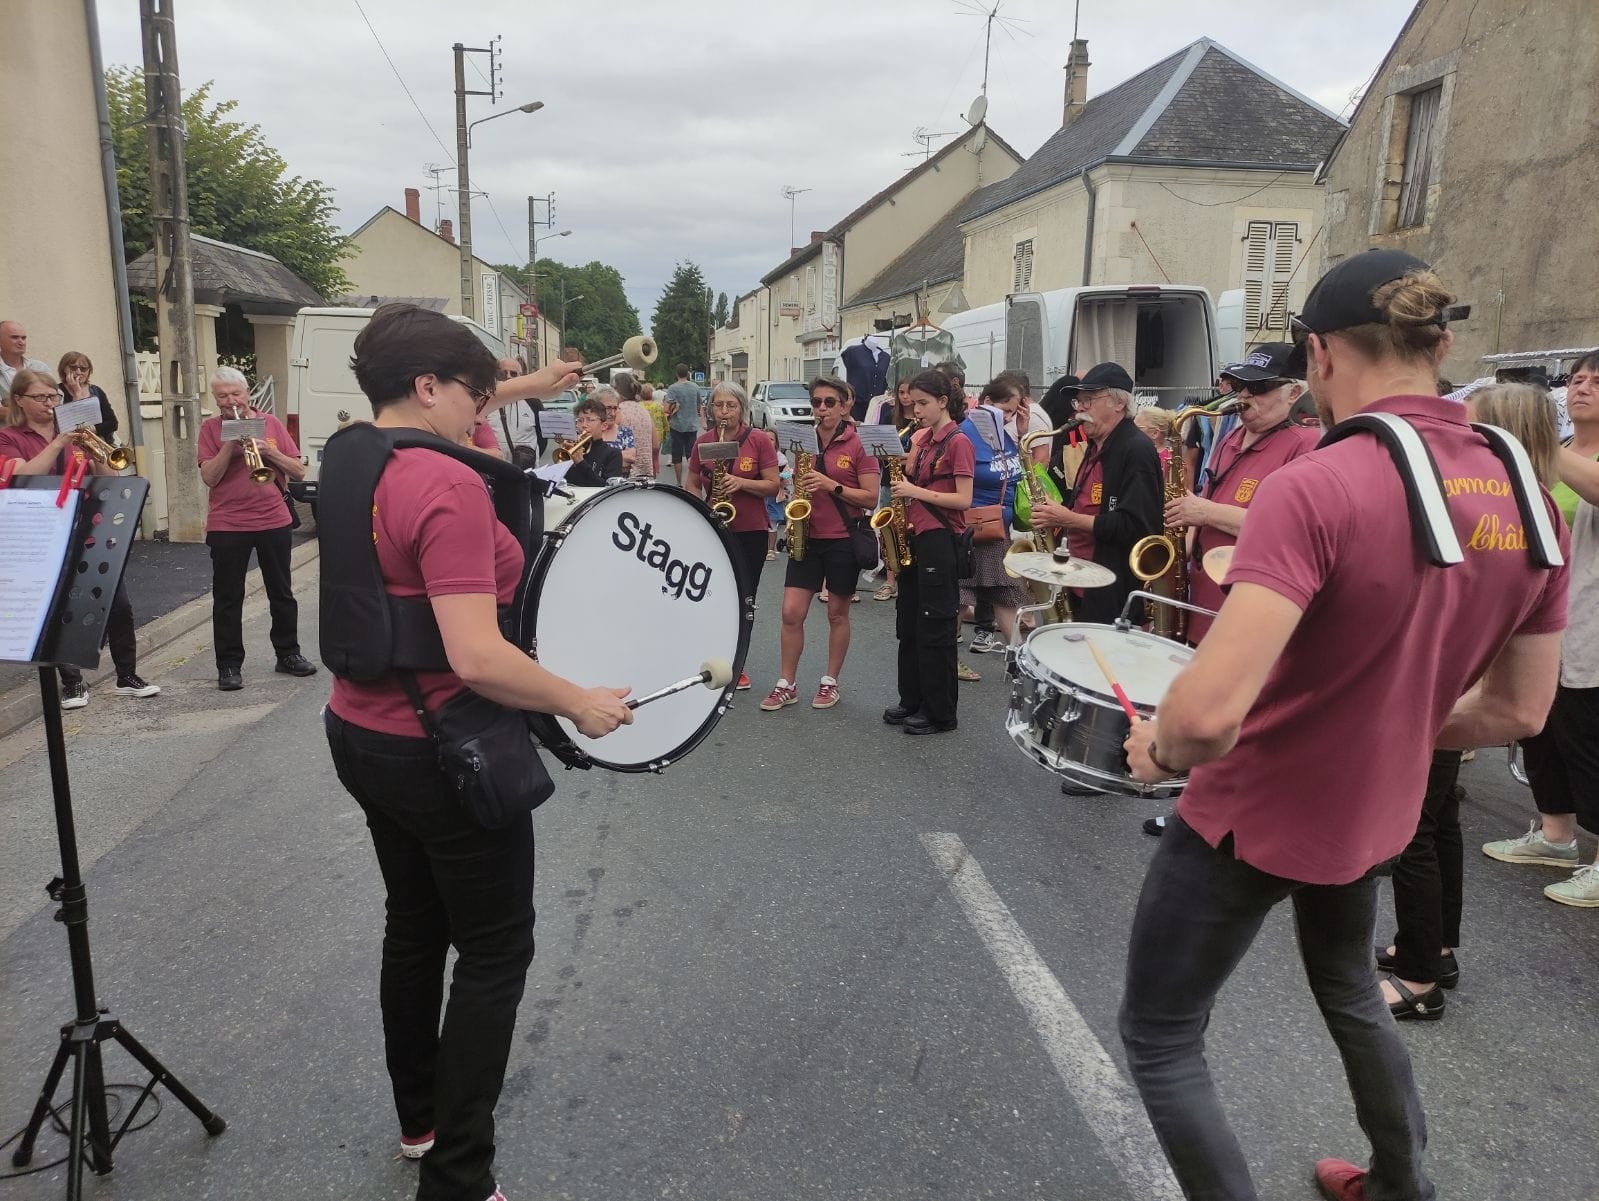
(636, 586)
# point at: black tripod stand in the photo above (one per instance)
(90, 1138)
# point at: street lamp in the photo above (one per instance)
(463, 177)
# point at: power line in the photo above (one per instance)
(401, 78)
(500, 223)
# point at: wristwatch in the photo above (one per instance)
(838, 489)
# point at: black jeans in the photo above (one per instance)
(983, 615)
(927, 622)
(230, 560)
(448, 881)
(1199, 911)
(750, 558)
(119, 632)
(1428, 877)
(1562, 760)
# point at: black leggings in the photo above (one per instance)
(927, 624)
(1427, 878)
(751, 557)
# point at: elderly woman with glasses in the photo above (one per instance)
(612, 429)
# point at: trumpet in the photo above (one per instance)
(637, 353)
(98, 449)
(563, 454)
(260, 473)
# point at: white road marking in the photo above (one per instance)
(1106, 1100)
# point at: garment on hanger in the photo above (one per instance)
(916, 348)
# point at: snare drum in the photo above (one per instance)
(1063, 713)
(637, 585)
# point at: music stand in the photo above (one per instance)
(96, 553)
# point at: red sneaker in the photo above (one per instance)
(416, 1148)
(826, 696)
(743, 685)
(1340, 1180)
(781, 695)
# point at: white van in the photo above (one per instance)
(1169, 337)
(321, 384)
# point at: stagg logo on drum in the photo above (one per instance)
(682, 579)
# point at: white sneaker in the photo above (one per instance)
(1532, 847)
(75, 696)
(135, 686)
(1582, 890)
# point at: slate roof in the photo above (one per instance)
(229, 274)
(368, 300)
(841, 227)
(1203, 105)
(937, 256)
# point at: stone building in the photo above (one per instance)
(1476, 148)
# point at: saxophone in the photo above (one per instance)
(1038, 538)
(720, 505)
(1160, 561)
(892, 525)
(797, 513)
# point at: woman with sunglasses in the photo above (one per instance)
(1263, 440)
(937, 489)
(750, 478)
(29, 436)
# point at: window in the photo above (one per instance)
(1268, 265)
(1022, 267)
(810, 289)
(1418, 156)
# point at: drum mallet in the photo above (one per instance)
(1110, 678)
(715, 674)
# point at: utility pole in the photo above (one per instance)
(174, 273)
(463, 176)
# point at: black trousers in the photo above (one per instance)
(927, 622)
(448, 881)
(1428, 877)
(1562, 760)
(119, 632)
(751, 547)
(230, 560)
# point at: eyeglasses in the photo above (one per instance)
(44, 398)
(480, 396)
(826, 402)
(613, 408)
(1259, 387)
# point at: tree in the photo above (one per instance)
(238, 187)
(682, 322)
(721, 316)
(596, 317)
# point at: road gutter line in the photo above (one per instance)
(1106, 1100)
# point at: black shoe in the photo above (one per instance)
(1416, 1006)
(295, 665)
(918, 723)
(1072, 788)
(229, 679)
(1155, 826)
(1448, 967)
(897, 715)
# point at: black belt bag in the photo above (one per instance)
(862, 537)
(487, 754)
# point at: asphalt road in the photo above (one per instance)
(817, 959)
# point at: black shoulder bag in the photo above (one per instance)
(862, 538)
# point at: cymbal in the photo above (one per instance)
(1072, 573)
(1217, 561)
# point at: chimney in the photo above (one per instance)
(1076, 82)
(447, 230)
(413, 205)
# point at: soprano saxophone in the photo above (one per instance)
(797, 513)
(891, 523)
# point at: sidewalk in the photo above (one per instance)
(169, 584)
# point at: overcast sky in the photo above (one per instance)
(670, 127)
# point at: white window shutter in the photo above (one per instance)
(1285, 240)
(1257, 272)
(1022, 267)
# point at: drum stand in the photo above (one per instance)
(1125, 621)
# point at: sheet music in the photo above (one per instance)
(880, 441)
(558, 423)
(76, 413)
(552, 472)
(795, 433)
(236, 428)
(990, 423)
(36, 534)
(717, 452)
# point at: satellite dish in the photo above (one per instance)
(978, 110)
(979, 140)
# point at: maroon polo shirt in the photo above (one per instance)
(1088, 499)
(1236, 472)
(237, 502)
(937, 461)
(845, 461)
(1328, 774)
(755, 455)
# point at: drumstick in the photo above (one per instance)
(1110, 678)
(715, 674)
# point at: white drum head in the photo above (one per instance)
(1144, 664)
(638, 591)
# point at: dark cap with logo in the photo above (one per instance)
(1342, 297)
(1105, 375)
(1269, 360)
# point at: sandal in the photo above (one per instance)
(886, 593)
(967, 674)
(1421, 1007)
(770, 555)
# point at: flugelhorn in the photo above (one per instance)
(637, 353)
(563, 454)
(260, 473)
(98, 449)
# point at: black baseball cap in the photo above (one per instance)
(1342, 298)
(1105, 375)
(1269, 360)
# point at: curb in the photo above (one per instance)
(21, 705)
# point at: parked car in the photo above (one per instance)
(772, 402)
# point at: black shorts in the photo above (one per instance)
(832, 560)
(682, 444)
(1563, 760)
